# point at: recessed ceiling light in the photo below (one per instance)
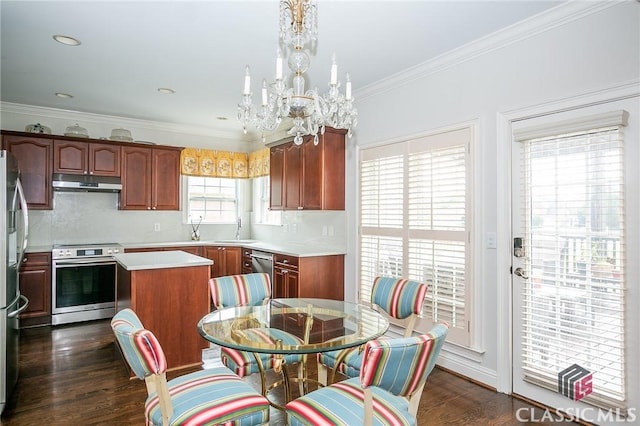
(64, 95)
(69, 41)
(166, 91)
(222, 118)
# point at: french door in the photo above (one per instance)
(575, 222)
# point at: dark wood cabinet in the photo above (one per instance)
(309, 176)
(150, 178)
(314, 276)
(34, 155)
(35, 285)
(247, 266)
(276, 177)
(226, 260)
(86, 158)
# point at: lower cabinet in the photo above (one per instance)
(247, 267)
(316, 276)
(226, 260)
(35, 285)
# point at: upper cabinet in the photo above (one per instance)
(308, 176)
(86, 158)
(150, 178)
(34, 155)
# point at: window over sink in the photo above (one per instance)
(215, 200)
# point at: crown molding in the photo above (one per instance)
(86, 117)
(545, 21)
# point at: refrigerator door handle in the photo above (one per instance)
(20, 309)
(25, 217)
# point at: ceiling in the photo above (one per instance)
(200, 49)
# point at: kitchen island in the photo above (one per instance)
(168, 290)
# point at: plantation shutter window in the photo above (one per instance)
(415, 223)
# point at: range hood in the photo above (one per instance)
(86, 183)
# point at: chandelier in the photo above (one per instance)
(309, 111)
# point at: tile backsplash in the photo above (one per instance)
(79, 218)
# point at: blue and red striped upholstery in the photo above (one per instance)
(240, 290)
(206, 397)
(393, 369)
(244, 363)
(399, 298)
(245, 290)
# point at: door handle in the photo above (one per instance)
(521, 273)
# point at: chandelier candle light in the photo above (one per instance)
(310, 111)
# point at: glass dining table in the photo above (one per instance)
(319, 325)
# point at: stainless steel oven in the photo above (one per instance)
(83, 282)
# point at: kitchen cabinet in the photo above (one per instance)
(34, 155)
(314, 276)
(86, 158)
(169, 300)
(309, 176)
(226, 260)
(247, 267)
(35, 285)
(150, 178)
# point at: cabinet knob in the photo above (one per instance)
(148, 208)
(24, 260)
(153, 208)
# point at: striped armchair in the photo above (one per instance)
(250, 290)
(240, 290)
(399, 299)
(387, 391)
(205, 397)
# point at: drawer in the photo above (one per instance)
(36, 259)
(284, 261)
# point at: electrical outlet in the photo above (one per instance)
(156, 227)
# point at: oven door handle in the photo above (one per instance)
(80, 262)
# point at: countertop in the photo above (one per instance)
(309, 249)
(160, 260)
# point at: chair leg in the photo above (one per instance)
(322, 374)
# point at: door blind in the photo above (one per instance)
(573, 298)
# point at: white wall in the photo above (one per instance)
(576, 49)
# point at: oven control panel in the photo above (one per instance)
(75, 252)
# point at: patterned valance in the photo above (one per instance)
(259, 163)
(211, 163)
(207, 162)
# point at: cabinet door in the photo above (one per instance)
(35, 158)
(70, 157)
(136, 178)
(165, 180)
(214, 254)
(285, 283)
(276, 178)
(232, 260)
(292, 173)
(35, 285)
(323, 172)
(104, 159)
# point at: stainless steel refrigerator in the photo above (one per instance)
(14, 222)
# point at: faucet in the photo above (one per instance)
(238, 228)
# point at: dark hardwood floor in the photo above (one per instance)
(73, 375)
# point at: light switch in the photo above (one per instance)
(491, 240)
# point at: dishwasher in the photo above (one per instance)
(262, 262)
